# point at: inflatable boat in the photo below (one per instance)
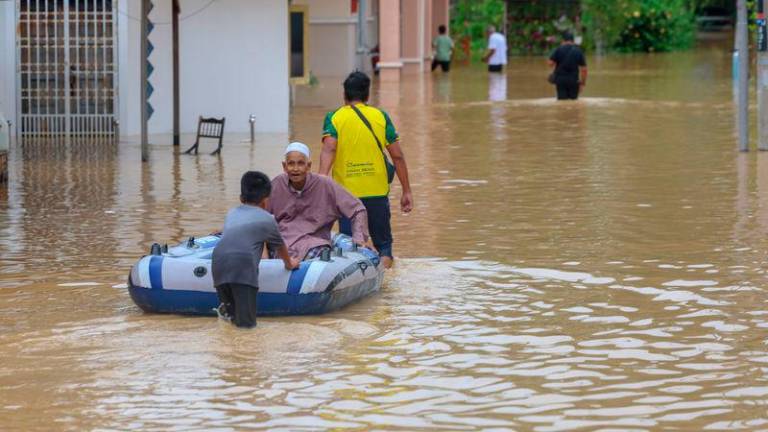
(178, 280)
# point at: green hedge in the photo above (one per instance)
(639, 25)
(534, 27)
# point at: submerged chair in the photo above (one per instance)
(208, 128)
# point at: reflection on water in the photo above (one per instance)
(497, 87)
(597, 264)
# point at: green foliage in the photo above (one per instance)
(534, 26)
(640, 25)
(469, 19)
(657, 25)
(751, 17)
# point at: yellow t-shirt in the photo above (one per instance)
(359, 164)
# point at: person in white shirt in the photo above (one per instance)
(496, 57)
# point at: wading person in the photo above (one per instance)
(355, 138)
(496, 55)
(443, 46)
(569, 73)
(236, 258)
(306, 206)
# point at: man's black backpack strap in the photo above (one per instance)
(387, 163)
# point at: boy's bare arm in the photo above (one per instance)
(290, 262)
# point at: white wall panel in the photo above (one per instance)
(233, 62)
(8, 61)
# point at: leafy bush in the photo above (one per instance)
(639, 25)
(657, 25)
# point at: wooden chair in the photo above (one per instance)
(208, 128)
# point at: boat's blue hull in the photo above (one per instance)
(269, 304)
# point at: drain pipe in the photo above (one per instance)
(362, 34)
(252, 121)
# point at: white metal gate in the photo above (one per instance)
(66, 57)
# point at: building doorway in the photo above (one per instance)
(67, 68)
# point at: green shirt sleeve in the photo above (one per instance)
(328, 128)
(389, 130)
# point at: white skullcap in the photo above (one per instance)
(298, 147)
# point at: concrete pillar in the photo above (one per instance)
(410, 42)
(423, 32)
(390, 63)
(429, 29)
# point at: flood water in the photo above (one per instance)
(598, 264)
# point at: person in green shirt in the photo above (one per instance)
(443, 45)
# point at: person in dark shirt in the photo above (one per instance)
(570, 68)
(236, 258)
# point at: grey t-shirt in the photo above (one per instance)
(237, 255)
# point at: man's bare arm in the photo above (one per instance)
(489, 54)
(401, 168)
(327, 155)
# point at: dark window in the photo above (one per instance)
(297, 44)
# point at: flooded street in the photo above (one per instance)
(597, 264)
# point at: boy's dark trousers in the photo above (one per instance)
(239, 302)
(445, 65)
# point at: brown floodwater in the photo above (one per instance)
(589, 265)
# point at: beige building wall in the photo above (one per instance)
(410, 50)
(333, 43)
(403, 30)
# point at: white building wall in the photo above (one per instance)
(233, 62)
(8, 61)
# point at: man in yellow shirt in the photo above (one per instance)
(355, 138)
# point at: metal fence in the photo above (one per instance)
(66, 68)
